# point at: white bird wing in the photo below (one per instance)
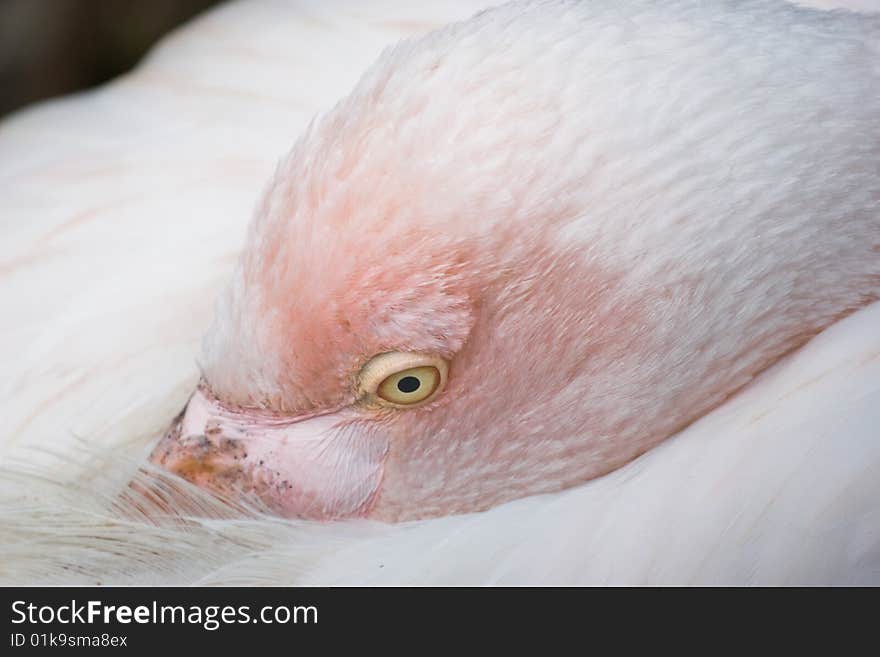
(123, 211)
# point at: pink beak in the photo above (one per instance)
(319, 466)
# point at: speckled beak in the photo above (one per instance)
(320, 466)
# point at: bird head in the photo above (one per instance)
(501, 266)
(408, 333)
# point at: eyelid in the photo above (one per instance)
(380, 367)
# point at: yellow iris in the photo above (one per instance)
(401, 379)
(410, 386)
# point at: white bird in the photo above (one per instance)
(590, 223)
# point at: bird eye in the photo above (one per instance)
(410, 386)
(402, 379)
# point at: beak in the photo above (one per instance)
(322, 466)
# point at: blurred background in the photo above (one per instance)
(54, 47)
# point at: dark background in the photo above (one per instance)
(54, 47)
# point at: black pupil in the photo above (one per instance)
(408, 384)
